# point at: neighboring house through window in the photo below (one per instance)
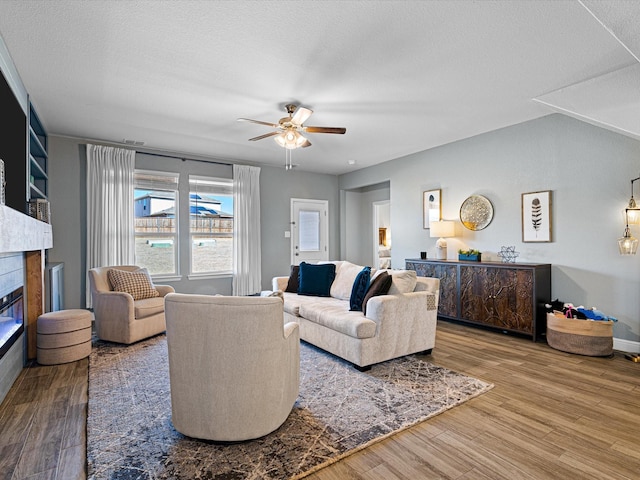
(211, 225)
(156, 221)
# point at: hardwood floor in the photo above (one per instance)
(43, 423)
(550, 415)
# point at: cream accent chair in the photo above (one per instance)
(234, 366)
(118, 317)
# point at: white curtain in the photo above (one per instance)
(110, 228)
(247, 272)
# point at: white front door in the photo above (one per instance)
(310, 230)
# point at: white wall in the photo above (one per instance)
(588, 170)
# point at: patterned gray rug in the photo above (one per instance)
(338, 412)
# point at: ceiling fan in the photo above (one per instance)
(289, 130)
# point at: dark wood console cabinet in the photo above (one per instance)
(505, 296)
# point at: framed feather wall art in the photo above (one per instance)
(536, 216)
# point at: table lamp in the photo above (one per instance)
(441, 230)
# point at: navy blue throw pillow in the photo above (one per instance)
(316, 280)
(360, 287)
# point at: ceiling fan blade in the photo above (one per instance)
(325, 130)
(306, 144)
(266, 135)
(274, 125)
(301, 115)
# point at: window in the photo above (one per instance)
(156, 221)
(211, 224)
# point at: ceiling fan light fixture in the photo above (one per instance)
(287, 130)
(290, 139)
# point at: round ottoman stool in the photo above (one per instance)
(63, 336)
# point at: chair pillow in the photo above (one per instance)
(316, 279)
(379, 286)
(138, 283)
(360, 287)
(292, 286)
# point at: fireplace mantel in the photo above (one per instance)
(22, 233)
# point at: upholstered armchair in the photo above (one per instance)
(234, 366)
(131, 314)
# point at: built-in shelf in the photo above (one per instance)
(38, 158)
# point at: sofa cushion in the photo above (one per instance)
(147, 307)
(316, 279)
(292, 285)
(138, 283)
(379, 286)
(343, 283)
(334, 314)
(293, 301)
(360, 287)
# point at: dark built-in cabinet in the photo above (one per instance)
(23, 149)
(506, 296)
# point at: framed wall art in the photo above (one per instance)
(431, 207)
(536, 216)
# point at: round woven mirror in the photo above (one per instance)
(476, 212)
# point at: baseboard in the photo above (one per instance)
(626, 345)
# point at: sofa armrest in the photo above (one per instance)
(430, 285)
(163, 290)
(279, 283)
(116, 304)
(405, 306)
(290, 328)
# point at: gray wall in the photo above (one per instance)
(358, 213)
(67, 194)
(588, 170)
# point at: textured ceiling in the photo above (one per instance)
(401, 76)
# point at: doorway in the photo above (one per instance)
(382, 234)
(309, 230)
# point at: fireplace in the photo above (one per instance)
(11, 320)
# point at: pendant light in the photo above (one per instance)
(627, 244)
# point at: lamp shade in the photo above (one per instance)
(442, 229)
(633, 216)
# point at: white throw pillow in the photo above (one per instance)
(402, 281)
(343, 283)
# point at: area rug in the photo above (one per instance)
(338, 412)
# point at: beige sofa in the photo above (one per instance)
(397, 324)
(234, 367)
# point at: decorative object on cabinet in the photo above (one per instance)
(441, 230)
(504, 297)
(470, 255)
(536, 216)
(40, 209)
(627, 244)
(508, 254)
(431, 207)
(632, 212)
(476, 212)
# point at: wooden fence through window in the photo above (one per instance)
(197, 225)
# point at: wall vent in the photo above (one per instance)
(132, 142)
